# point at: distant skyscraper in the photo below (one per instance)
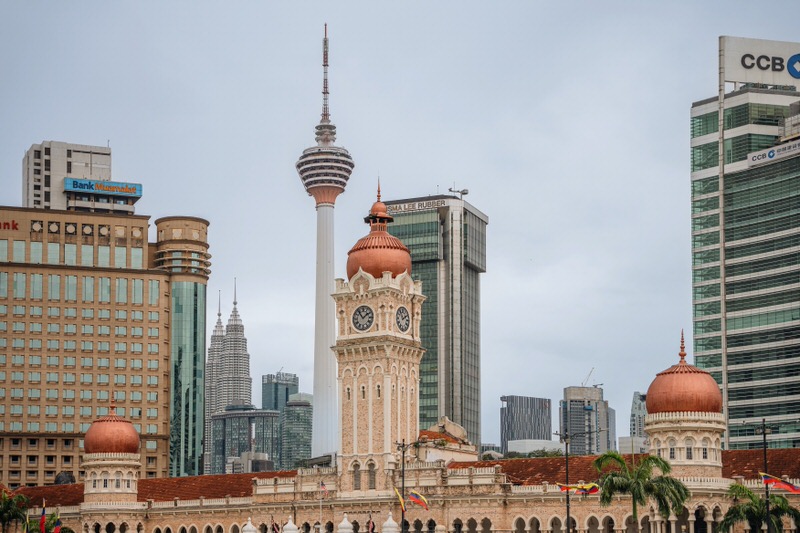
(638, 412)
(241, 428)
(228, 379)
(74, 177)
(745, 178)
(296, 430)
(324, 170)
(524, 418)
(277, 388)
(588, 420)
(447, 239)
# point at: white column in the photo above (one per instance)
(326, 410)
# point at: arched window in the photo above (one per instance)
(689, 449)
(379, 391)
(348, 393)
(363, 392)
(371, 476)
(356, 477)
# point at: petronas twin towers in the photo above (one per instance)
(227, 378)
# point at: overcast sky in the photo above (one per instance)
(567, 121)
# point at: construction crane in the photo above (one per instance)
(585, 381)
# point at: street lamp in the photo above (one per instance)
(764, 430)
(565, 439)
(402, 447)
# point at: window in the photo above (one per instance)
(103, 256)
(36, 253)
(87, 313)
(86, 329)
(103, 362)
(87, 255)
(136, 380)
(120, 331)
(71, 288)
(36, 286)
(104, 290)
(120, 257)
(121, 314)
(152, 316)
(152, 381)
(152, 292)
(70, 254)
(371, 476)
(136, 257)
(137, 316)
(104, 314)
(356, 477)
(137, 295)
(19, 285)
(152, 333)
(53, 253)
(88, 289)
(137, 331)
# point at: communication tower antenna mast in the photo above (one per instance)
(326, 114)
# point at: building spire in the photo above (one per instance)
(234, 292)
(219, 306)
(326, 113)
(682, 353)
(379, 188)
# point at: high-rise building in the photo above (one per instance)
(638, 412)
(90, 314)
(447, 239)
(745, 176)
(74, 177)
(242, 428)
(277, 388)
(228, 380)
(324, 170)
(296, 430)
(587, 420)
(524, 418)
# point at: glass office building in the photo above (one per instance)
(746, 259)
(242, 428)
(447, 240)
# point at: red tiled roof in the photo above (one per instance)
(436, 435)
(161, 489)
(748, 463)
(534, 471)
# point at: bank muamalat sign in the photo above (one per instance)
(103, 187)
(773, 154)
(760, 61)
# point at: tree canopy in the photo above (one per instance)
(751, 508)
(641, 482)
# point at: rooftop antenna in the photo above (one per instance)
(219, 305)
(459, 192)
(326, 114)
(234, 292)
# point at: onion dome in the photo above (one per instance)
(683, 388)
(378, 251)
(111, 434)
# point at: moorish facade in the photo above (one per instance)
(378, 348)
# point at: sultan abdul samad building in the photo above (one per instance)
(378, 352)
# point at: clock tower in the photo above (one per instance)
(378, 349)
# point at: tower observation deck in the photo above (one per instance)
(324, 170)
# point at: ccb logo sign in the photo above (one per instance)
(773, 63)
(763, 156)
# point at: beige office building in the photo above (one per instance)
(92, 315)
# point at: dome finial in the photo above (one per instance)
(379, 188)
(682, 353)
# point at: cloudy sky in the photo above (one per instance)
(567, 121)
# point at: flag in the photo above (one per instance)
(418, 498)
(370, 525)
(57, 529)
(274, 527)
(400, 498)
(776, 482)
(43, 518)
(324, 489)
(587, 488)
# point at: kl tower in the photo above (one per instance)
(324, 170)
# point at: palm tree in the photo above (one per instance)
(640, 483)
(13, 507)
(751, 508)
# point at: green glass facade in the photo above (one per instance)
(447, 240)
(188, 340)
(746, 267)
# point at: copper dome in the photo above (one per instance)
(111, 434)
(378, 251)
(683, 388)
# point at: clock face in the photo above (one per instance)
(363, 318)
(403, 319)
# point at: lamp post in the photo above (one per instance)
(565, 438)
(763, 429)
(402, 447)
